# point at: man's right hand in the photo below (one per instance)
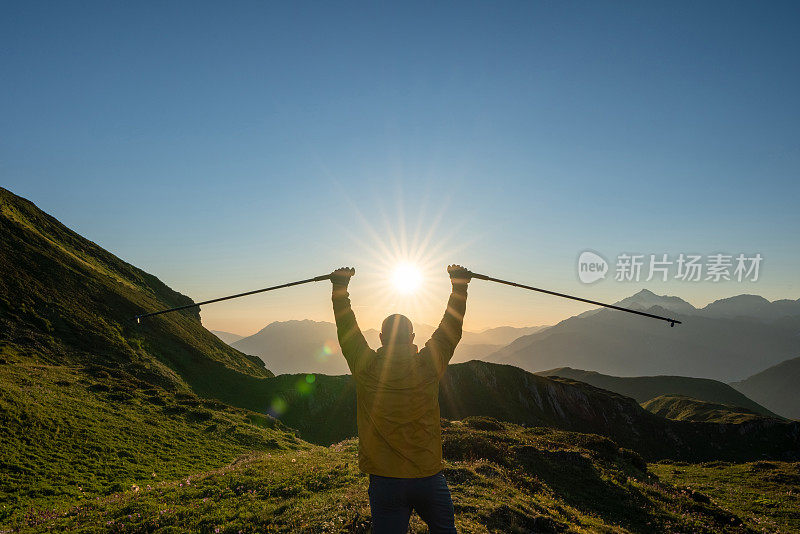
(459, 275)
(342, 275)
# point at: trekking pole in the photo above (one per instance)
(193, 305)
(672, 322)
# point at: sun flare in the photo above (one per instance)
(406, 278)
(404, 255)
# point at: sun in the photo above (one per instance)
(406, 278)
(402, 256)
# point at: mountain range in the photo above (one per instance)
(727, 340)
(312, 346)
(726, 335)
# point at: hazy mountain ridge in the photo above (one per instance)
(646, 299)
(227, 337)
(312, 346)
(500, 335)
(753, 306)
(708, 344)
(744, 305)
(775, 387)
(299, 346)
(645, 388)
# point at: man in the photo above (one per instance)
(397, 389)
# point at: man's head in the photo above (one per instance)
(397, 330)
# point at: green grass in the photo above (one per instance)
(66, 435)
(765, 494)
(504, 478)
(682, 408)
(75, 302)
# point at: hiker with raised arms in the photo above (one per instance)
(397, 389)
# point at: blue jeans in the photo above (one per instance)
(392, 500)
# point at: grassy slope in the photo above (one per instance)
(324, 412)
(74, 302)
(66, 435)
(766, 495)
(644, 388)
(90, 402)
(504, 478)
(683, 408)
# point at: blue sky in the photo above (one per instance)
(224, 147)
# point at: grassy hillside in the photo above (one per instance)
(775, 388)
(683, 408)
(74, 302)
(72, 433)
(764, 494)
(504, 478)
(322, 408)
(92, 403)
(644, 388)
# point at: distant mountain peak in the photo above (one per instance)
(298, 321)
(294, 323)
(753, 306)
(646, 299)
(743, 299)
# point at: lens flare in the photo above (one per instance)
(402, 255)
(277, 407)
(406, 278)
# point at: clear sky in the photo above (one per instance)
(228, 146)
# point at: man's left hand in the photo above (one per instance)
(459, 275)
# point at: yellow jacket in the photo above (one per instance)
(397, 389)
